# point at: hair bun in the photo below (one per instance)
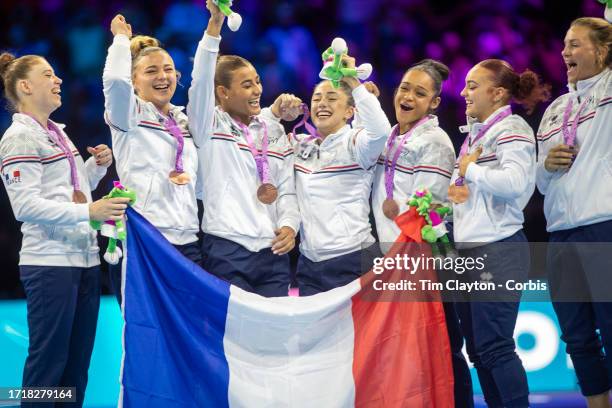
(441, 68)
(140, 42)
(5, 59)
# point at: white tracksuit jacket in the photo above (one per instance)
(227, 173)
(36, 174)
(145, 151)
(501, 182)
(583, 194)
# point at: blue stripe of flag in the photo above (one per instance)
(175, 315)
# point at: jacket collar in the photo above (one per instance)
(174, 110)
(32, 124)
(585, 85)
(474, 126)
(328, 139)
(430, 124)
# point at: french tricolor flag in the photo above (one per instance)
(192, 340)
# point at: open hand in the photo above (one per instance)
(467, 159)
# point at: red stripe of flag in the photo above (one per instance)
(402, 355)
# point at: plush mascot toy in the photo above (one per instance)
(608, 11)
(332, 64)
(114, 230)
(234, 20)
(434, 231)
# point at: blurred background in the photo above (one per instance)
(284, 40)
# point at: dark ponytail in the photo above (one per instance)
(525, 89)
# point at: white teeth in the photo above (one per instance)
(161, 87)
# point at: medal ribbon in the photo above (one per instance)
(56, 136)
(260, 156)
(467, 143)
(390, 165)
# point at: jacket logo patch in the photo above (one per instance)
(16, 177)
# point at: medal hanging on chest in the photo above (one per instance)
(56, 136)
(390, 207)
(178, 175)
(267, 192)
(458, 192)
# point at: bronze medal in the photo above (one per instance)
(390, 208)
(78, 197)
(267, 193)
(458, 194)
(179, 178)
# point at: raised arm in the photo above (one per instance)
(119, 98)
(201, 106)
(369, 143)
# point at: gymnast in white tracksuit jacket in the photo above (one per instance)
(425, 153)
(334, 168)
(419, 154)
(155, 153)
(246, 169)
(49, 186)
(573, 174)
(491, 185)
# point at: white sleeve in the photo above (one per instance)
(433, 169)
(201, 105)
(22, 174)
(369, 145)
(95, 173)
(516, 155)
(288, 212)
(287, 206)
(120, 103)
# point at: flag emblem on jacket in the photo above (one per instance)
(15, 177)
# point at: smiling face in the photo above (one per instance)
(330, 108)
(41, 90)
(415, 98)
(482, 96)
(582, 58)
(154, 79)
(242, 99)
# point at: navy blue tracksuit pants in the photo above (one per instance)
(317, 277)
(581, 288)
(62, 304)
(488, 323)
(260, 272)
